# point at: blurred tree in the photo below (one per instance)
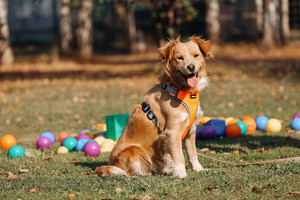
(84, 32)
(66, 27)
(276, 27)
(212, 20)
(6, 53)
(168, 16)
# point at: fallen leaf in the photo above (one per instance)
(262, 150)
(86, 175)
(75, 161)
(119, 190)
(212, 152)
(204, 150)
(226, 153)
(296, 193)
(11, 176)
(55, 174)
(243, 161)
(48, 159)
(256, 190)
(71, 196)
(23, 170)
(211, 187)
(148, 174)
(34, 190)
(236, 152)
(67, 170)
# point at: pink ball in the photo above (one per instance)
(83, 136)
(43, 142)
(296, 116)
(92, 149)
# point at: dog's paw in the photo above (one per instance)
(179, 171)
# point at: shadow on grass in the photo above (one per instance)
(251, 142)
(92, 165)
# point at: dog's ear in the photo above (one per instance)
(166, 51)
(203, 45)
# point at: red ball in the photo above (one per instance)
(233, 130)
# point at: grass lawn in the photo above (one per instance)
(33, 105)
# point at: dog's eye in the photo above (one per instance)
(196, 55)
(180, 58)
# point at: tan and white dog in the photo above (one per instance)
(157, 129)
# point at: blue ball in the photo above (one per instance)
(84, 130)
(261, 122)
(80, 144)
(295, 124)
(49, 135)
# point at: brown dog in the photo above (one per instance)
(152, 138)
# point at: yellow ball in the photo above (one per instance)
(62, 150)
(99, 140)
(107, 145)
(273, 125)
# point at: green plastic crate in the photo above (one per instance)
(115, 125)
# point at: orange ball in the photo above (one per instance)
(7, 141)
(233, 121)
(250, 122)
(62, 135)
(233, 130)
(203, 120)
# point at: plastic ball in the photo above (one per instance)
(107, 145)
(62, 141)
(80, 144)
(16, 151)
(55, 138)
(7, 141)
(62, 150)
(233, 130)
(83, 131)
(250, 122)
(49, 135)
(198, 130)
(63, 135)
(43, 142)
(203, 120)
(273, 126)
(92, 149)
(208, 133)
(70, 143)
(243, 127)
(261, 122)
(83, 136)
(228, 119)
(295, 124)
(233, 121)
(99, 140)
(296, 116)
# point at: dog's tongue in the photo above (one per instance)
(192, 81)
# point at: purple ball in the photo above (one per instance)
(43, 142)
(208, 133)
(92, 149)
(296, 116)
(83, 137)
(198, 132)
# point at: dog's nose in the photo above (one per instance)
(191, 67)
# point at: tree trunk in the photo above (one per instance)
(131, 26)
(85, 30)
(66, 27)
(284, 17)
(259, 15)
(6, 53)
(212, 20)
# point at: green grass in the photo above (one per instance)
(30, 107)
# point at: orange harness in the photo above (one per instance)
(189, 100)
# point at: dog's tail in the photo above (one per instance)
(131, 161)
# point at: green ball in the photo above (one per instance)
(16, 151)
(70, 143)
(243, 127)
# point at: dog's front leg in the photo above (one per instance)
(175, 150)
(191, 150)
